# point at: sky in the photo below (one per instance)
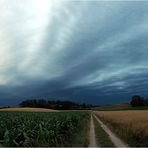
(84, 51)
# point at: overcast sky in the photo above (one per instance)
(87, 51)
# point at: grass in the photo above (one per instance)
(27, 109)
(131, 126)
(102, 137)
(119, 107)
(81, 137)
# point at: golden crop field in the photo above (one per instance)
(132, 126)
(28, 109)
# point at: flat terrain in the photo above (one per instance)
(42, 129)
(46, 127)
(132, 126)
(118, 107)
(28, 109)
(112, 107)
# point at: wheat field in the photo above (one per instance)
(28, 109)
(132, 126)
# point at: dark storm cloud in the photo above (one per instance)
(80, 50)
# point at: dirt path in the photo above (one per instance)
(92, 137)
(117, 141)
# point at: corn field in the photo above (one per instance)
(132, 126)
(39, 129)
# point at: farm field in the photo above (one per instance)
(112, 107)
(131, 126)
(43, 129)
(118, 107)
(27, 109)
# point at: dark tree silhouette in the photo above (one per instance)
(60, 105)
(145, 102)
(137, 101)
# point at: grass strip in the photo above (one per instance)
(81, 137)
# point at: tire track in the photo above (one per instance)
(92, 136)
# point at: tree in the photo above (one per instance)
(59, 105)
(136, 101)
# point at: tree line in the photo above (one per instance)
(138, 101)
(59, 105)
